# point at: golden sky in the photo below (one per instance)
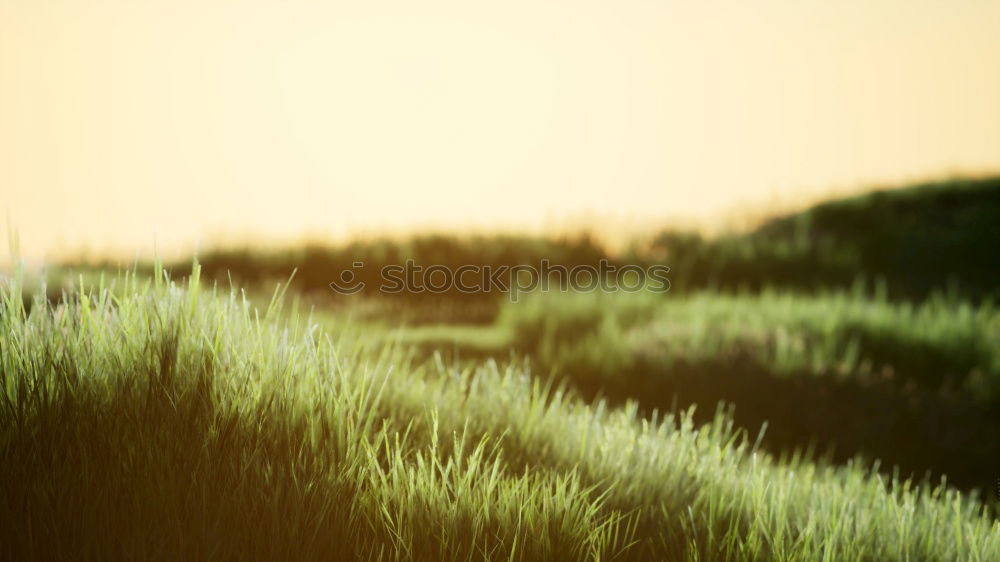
(128, 121)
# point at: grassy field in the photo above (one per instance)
(151, 420)
(825, 387)
(915, 385)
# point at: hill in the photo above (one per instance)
(916, 240)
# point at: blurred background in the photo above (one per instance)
(125, 125)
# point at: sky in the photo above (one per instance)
(129, 124)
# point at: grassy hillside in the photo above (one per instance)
(174, 422)
(146, 419)
(917, 386)
(909, 243)
(917, 240)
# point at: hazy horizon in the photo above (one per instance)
(187, 122)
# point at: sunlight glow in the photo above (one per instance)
(124, 121)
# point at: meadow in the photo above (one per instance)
(199, 411)
(156, 420)
(841, 374)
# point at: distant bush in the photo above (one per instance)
(907, 243)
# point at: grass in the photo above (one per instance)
(153, 420)
(942, 341)
(917, 386)
(916, 241)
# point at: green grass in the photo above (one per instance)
(152, 420)
(941, 341)
(917, 386)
